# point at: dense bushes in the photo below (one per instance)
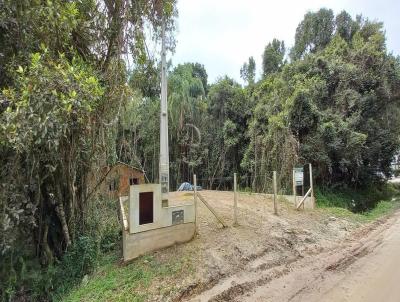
(22, 274)
(24, 277)
(335, 104)
(329, 101)
(356, 200)
(63, 87)
(65, 106)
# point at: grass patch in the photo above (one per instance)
(383, 208)
(356, 200)
(90, 270)
(115, 282)
(362, 206)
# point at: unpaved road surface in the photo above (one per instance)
(363, 267)
(373, 277)
(306, 255)
(230, 263)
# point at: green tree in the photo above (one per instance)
(199, 72)
(248, 71)
(345, 26)
(273, 57)
(63, 87)
(330, 108)
(50, 107)
(146, 78)
(313, 33)
(225, 138)
(186, 97)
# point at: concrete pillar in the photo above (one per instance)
(164, 152)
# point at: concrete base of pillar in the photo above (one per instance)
(137, 244)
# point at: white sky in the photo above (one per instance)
(223, 34)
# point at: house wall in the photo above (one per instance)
(118, 179)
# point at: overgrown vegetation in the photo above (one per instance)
(115, 282)
(363, 206)
(26, 276)
(325, 104)
(63, 86)
(70, 104)
(356, 200)
(381, 209)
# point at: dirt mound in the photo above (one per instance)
(229, 263)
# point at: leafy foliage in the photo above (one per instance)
(248, 71)
(273, 57)
(314, 32)
(63, 87)
(355, 200)
(71, 103)
(334, 105)
(334, 108)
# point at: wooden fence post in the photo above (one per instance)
(311, 187)
(294, 188)
(204, 201)
(235, 198)
(195, 202)
(275, 193)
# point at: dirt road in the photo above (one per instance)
(373, 277)
(363, 267)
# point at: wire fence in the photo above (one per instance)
(261, 183)
(263, 186)
(268, 188)
(246, 183)
(216, 183)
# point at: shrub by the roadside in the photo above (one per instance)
(24, 278)
(356, 200)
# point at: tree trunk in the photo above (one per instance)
(61, 215)
(48, 255)
(59, 208)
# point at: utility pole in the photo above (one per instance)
(164, 152)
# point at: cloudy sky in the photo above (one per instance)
(222, 34)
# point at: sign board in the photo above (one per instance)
(178, 217)
(298, 176)
(164, 183)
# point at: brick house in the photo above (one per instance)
(116, 179)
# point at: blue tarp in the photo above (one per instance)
(185, 186)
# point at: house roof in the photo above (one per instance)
(130, 166)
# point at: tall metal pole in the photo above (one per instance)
(164, 152)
